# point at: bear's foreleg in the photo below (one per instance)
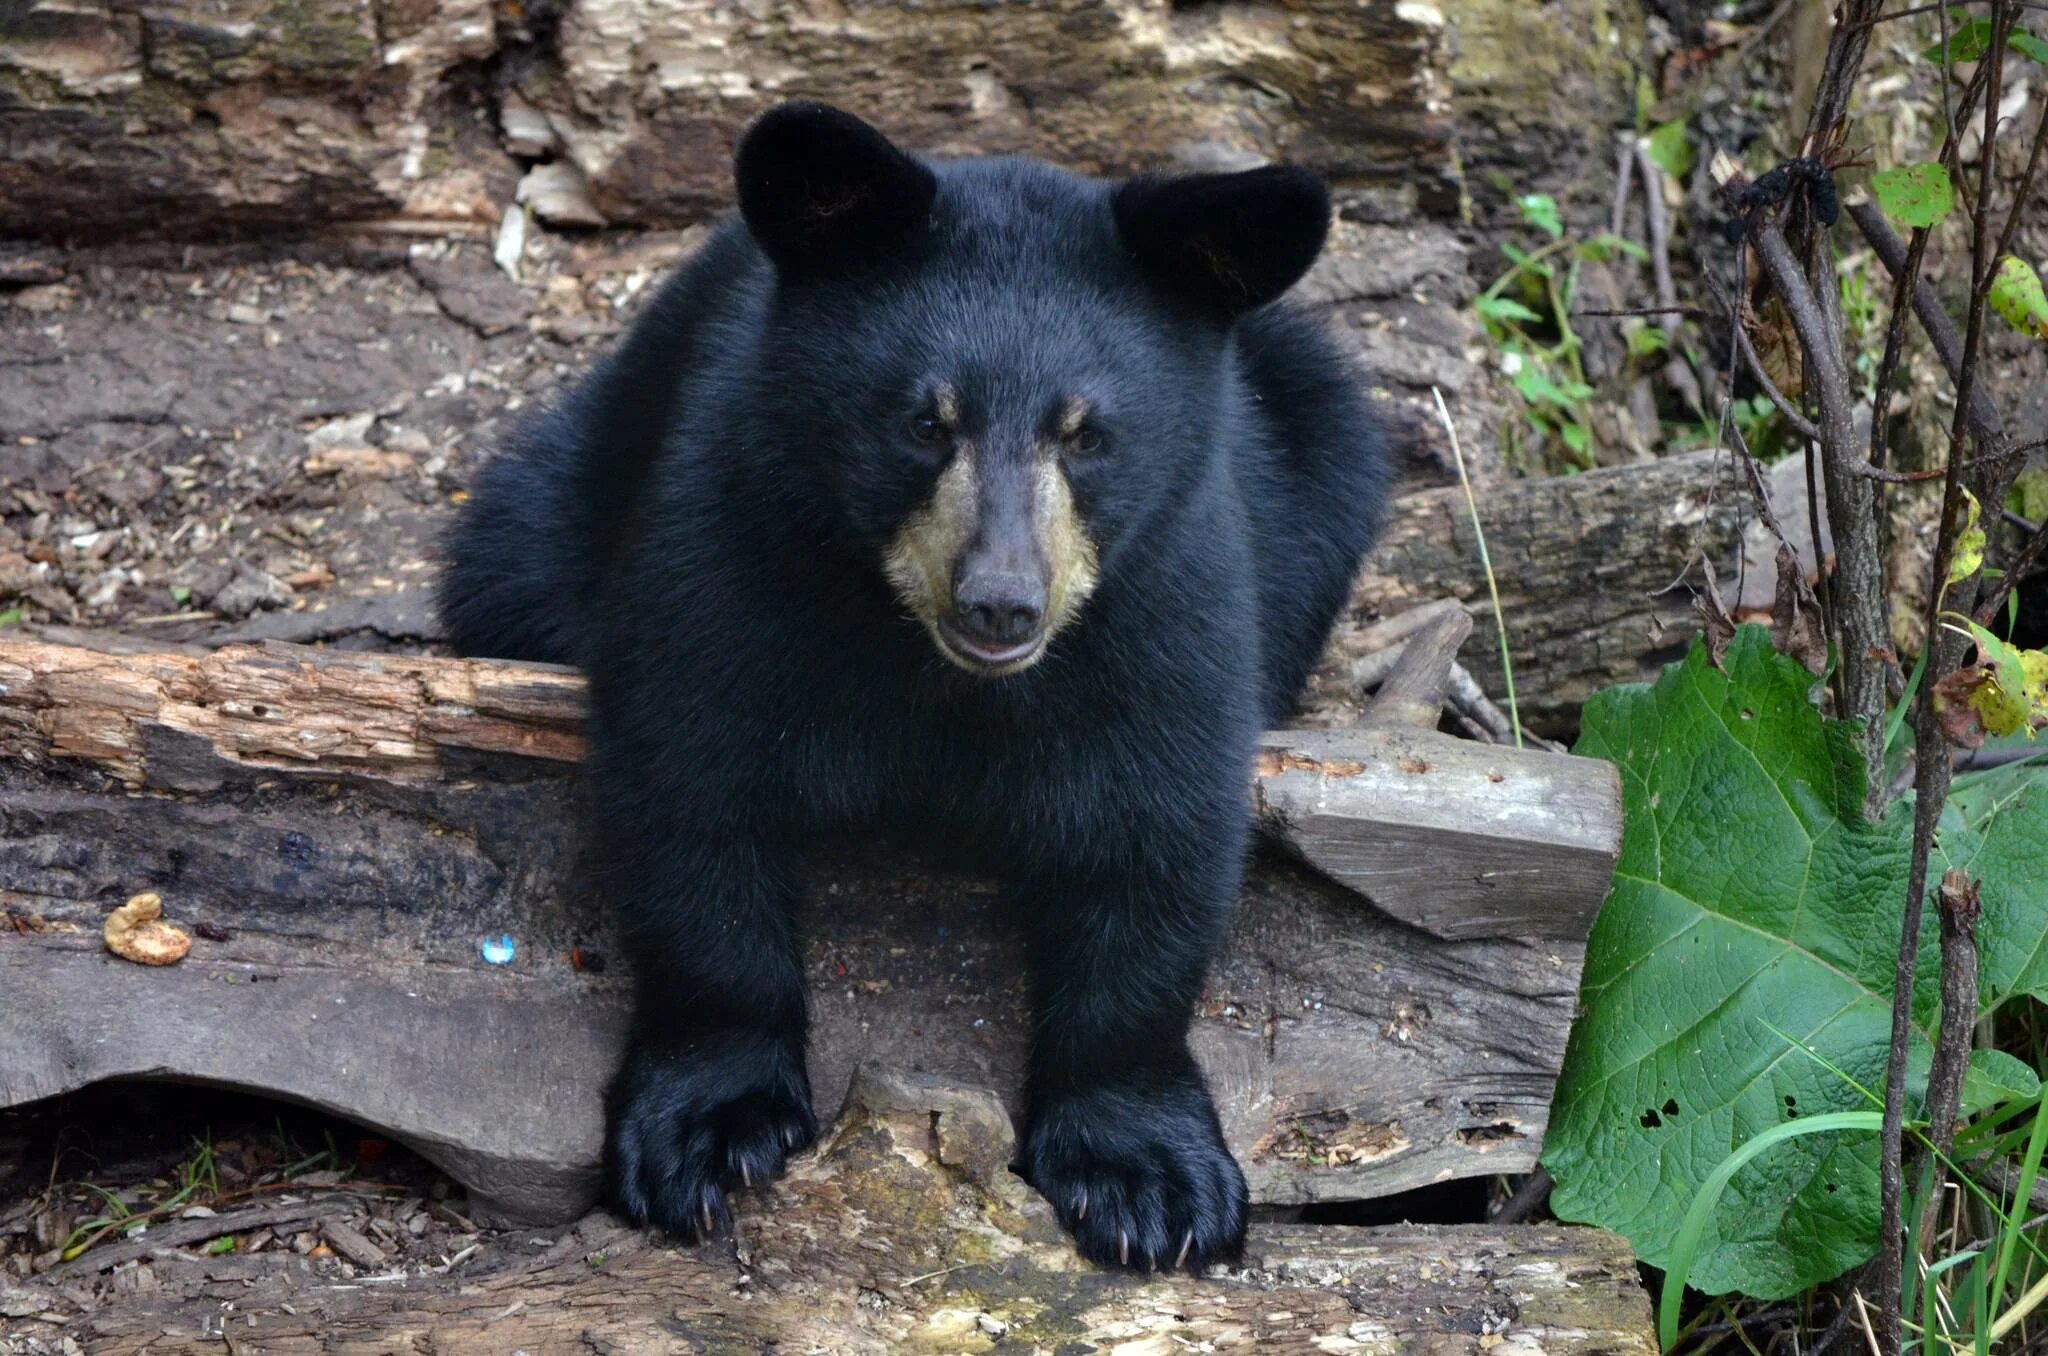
(1121, 1136)
(711, 1095)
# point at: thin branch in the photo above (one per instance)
(2025, 190)
(1676, 374)
(1528, 1198)
(1933, 768)
(2024, 562)
(1985, 424)
(1844, 59)
(1958, 906)
(1865, 639)
(1905, 282)
(1646, 312)
(1624, 175)
(1891, 477)
(1745, 348)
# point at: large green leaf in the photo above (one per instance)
(1752, 904)
(1740, 974)
(1997, 830)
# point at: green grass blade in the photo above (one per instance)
(1686, 1245)
(1898, 716)
(2023, 1190)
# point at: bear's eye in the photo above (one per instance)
(925, 430)
(1086, 441)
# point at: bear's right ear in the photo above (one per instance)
(825, 194)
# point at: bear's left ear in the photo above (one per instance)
(825, 194)
(1229, 241)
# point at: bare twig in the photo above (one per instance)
(1864, 639)
(1745, 349)
(1905, 280)
(2025, 189)
(1933, 769)
(1958, 906)
(1528, 1197)
(1844, 59)
(1470, 702)
(1646, 312)
(2024, 562)
(1801, 425)
(1917, 477)
(1676, 374)
(1986, 426)
(1624, 179)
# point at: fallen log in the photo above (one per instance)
(342, 833)
(1593, 572)
(906, 1232)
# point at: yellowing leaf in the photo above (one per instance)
(2003, 691)
(2016, 294)
(1968, 555)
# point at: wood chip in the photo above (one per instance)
(355, 1246)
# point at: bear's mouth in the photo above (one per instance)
(988, 661)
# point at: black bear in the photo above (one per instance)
(972, 502)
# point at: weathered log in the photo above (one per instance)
(341, 831)
(906, 1232)
(1592, 569)
(283, 114)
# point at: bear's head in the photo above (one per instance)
(999, 375)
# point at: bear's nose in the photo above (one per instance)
(999, 609)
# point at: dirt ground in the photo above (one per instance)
(263, 444)
(211, 444)
(126, 1192)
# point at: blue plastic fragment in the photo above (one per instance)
(499, 950)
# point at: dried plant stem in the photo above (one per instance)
(1500, 621)
(1657, 223)
(1958, 906)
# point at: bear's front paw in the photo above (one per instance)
(1140, 1178)
(689, 1122)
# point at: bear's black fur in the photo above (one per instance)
(896, 424)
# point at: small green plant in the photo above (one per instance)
(1527, 315)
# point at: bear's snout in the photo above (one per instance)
(998, 614)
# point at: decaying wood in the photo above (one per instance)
(339, 832)
(1591, 570)
(905, 1232)
(1412, 694)
(1460, 839)
(280, 114)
